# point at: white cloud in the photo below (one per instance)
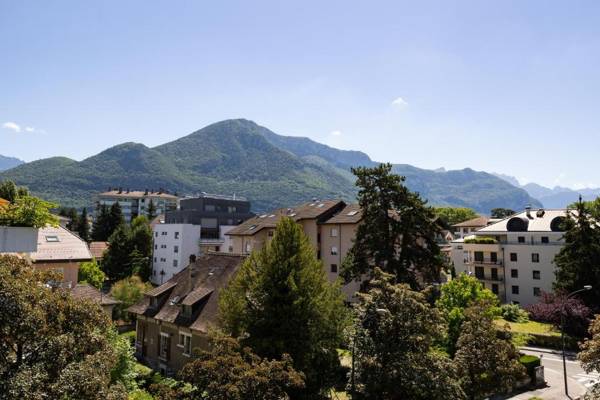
(29, 129)
(336, 133)
(12, 126)
(399, 102)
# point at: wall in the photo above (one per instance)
(70, 270)
(164, 235)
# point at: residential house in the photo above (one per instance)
(468, 227)
(88, 292)
(175, 317)
(97, 249)
(135, 202)
(514, 257)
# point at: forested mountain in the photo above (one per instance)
(241, 157)
(9, 162)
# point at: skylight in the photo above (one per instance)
(321, 205)
(352, 213)
(252, 227)
(52, 238)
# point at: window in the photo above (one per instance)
(479, 273)
(545, 239)
(155, 234)
(163, 246)
(521, 239)
(217, 248)
(494, 257)
(537, 275)
(175, 263)
(352, 213)
(209, 207)
(513, 257)
(185, 342)
(175, 249)
(537, 292)
(479, 256)
(163, 233)
(164, 346)
(535, 257)
(232, 209)
(154, 259)
(495, 274)
(176, 235)
(465, 230)
(495, 288)
(270, 233)
(155, 247)
(334, 232)
(248, 247)
(515, 290)
(333, 268)
(52, 238)
(514, 273)
(231, 249)
(334, 251)
(163, 259)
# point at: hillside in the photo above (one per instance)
(9, 162)
(239, 156)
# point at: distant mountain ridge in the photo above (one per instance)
(239, 156)
(9, 162)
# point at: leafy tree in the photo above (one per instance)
(578, 262)
(141, 255)
(128, 291)
(397, 232)
(83, 226)
(552, 306)
(502, 212)
(281, 302)
(455, 215)
(151, 211)
(51, 345)
(90, 273)
(229, 371)
(589, 356)
(28, 211)
(456, 296)
(11, 192)
(395, 332)
(71, 214)
(486, 363)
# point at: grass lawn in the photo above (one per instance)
(530, 327)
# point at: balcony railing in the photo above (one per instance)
(485, 261)
(490, 278)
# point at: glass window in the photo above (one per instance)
(334, 268)
(185, 342)
(537, 275)
(175, 249)
(521, 239)
(479, 273)
(514, 273)
(495, 274)
(209, 207)
(176, 235)
(535, 257)
(334, 251)
(479, 256)
(494, 257)
(495, 288)
(537, 291)
(545, 239)
(334, 232)
(164, 346)
(515, 290)
(175, 263)
(513, 257)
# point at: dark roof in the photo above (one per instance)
(311, 210)
(210, 273)
(97, 249)
(87, 292)
(351, 214)
(475, 222)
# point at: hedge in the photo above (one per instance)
(481, 240)
(530, 362)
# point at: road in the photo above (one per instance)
(577, 379)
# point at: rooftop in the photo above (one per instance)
(87, 292)
(535, 220)
(60, 244)
(97, 249)
(473, 223)
(205, 195)
(351, 214)
(138, 194)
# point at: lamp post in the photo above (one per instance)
(562, 333)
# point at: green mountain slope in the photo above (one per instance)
(9, 162)
(241, 157)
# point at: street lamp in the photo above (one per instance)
(562, 332)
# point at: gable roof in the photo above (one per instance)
(97, 249)
(473, 223)
(310, 210)
(537, 221)
(88, 292)
(59, 244)
(351, 214)
(210, 273)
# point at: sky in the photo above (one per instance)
(507, 86)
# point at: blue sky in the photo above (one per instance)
(506, 86)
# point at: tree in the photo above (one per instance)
(71, 214)
(455, 215)
(151, 212)
(83, 226)
(141, 255)
(281, 302)
(397, 232)
(51, 345)
(229, 371)
(101, 229)
(115, 217)
(28, 211)
(11, 192)
(130, 251)
(502, 212)
(456, 296)
(487, 364)
(90, 273)
(589, 356)
(553, 306)
(128, 291)
(395, 332)
(578, 262)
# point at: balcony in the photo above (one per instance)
(490, 278)
(485, 261)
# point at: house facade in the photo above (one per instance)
(514, 257)
(136, 202)
(173, 244)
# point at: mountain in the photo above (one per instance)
(9, 162)
(241, 157)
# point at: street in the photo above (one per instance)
(578, 380)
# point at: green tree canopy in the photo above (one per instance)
(51, 345)
(83, 226)
(281, 302)
(101, 227)
(130, 251)
(90, 273)
(128, 291)
(487, 364)
(396, 329)
(502, 212)
(151, 212)
(455, 215)
(590, 355)
(28, 211)
(11, 192)
(397, 231)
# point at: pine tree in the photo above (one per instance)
(397, 231)
(578, 262)
(117, 260)
(281, 302)
(115, 217)
(82, 226)
(151, 212)
(71, 213)
(100, 228)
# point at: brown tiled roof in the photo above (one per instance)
(309, 210)
(3, 202)
(351, 214)
(87, 292)
(60, 244)
(97, 249)
(137, 194)
(211, 273)
(475, 222)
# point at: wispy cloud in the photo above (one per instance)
(400, 103)
(336, 133)
(11, 126)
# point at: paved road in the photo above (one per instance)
(577, 379)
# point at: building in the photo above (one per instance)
(90, 293)
(97, 249)
(466, 228)
(175, 317)
(60, 250)
(173, 246)
(135, 202)
(514, 257)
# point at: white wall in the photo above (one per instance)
(166, 236)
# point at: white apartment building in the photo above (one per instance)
(514, 257)
(135, 202)
(173, 246)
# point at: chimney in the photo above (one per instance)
(190, 274)
(528, 211)
(146, 192)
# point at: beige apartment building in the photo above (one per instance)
(514, 257)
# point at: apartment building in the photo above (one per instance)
(467, 228)
(135, 202)
(514, 257)
(173, 246)
(174, 318)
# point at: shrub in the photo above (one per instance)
(530, 362)
(481, 240)
(551, 306)
(514, 313)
